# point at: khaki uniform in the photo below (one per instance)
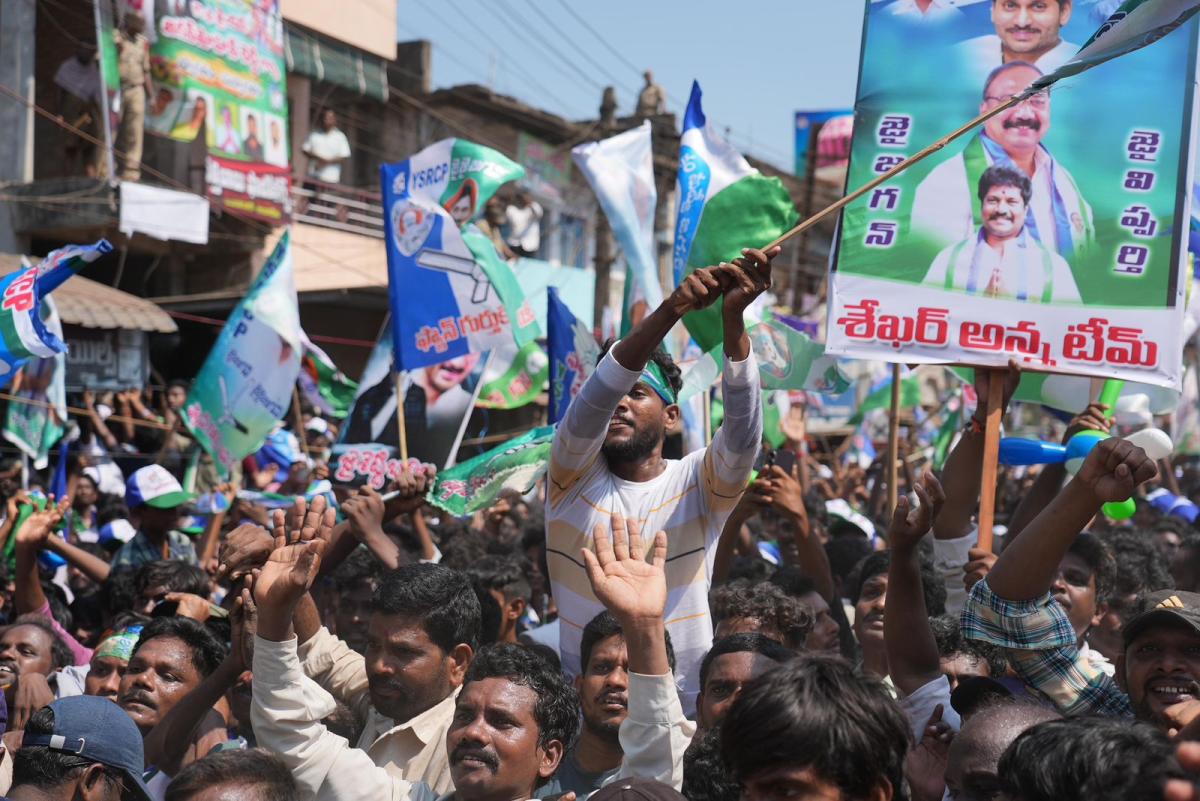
(133, 67)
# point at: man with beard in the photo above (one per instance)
(421, 636)
(1003, 260)
(946, 209)
(1158, 674)
(607, 459)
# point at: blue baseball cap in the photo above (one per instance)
(96, 729)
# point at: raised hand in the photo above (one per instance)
(633, 589)
(909, 525)
(245, 549)
(983, 380)
(749, 277)
(365, 512)
(414, 481)
(1114, 469)
(37, 527)
(926, 763)
(1093, 418)
(701, 289)
(243, 621)
(289, 572)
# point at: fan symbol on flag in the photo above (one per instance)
(458, 265)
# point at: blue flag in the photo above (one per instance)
(23, 333)
(573, 354)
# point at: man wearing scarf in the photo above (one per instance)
(1003, 260)
(607, 459)
(946, 208)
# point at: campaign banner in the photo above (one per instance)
(218, 68)
(513, 377)
(245, 386)
(438, 400)
(35, 425)
(451, 294)
(1054, 234)
(477, 483)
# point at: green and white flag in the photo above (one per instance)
(477, 483)
(725, 205)
(513, 377)
(35, 427)
(787, 359)
(327, 387)
(880, 395)
(1134, 25)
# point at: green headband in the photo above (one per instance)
(120, 646)
(653, 377)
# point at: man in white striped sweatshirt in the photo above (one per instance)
(607, 459)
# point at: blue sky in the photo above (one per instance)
(758, 61)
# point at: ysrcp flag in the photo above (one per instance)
(573, 354)
(245, 385)
(23, 332)
(451, 294)
(477, 483)
(513, 377)
(35, 427)
(1020, 240)
(725, 205)
(1135, 24)
(620, 170)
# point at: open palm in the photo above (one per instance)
(628, 586)
(288, 573)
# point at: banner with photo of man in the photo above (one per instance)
(1054, 233)
(218, 68)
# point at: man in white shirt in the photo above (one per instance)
(1002, 260)
(524, 226)
(326, 149)
(607, 460)
(1026, 30)
(946, 208)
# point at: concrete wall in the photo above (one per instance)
(369, 25)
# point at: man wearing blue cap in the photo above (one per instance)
(79, 747)
(154, 496)
(607, 459)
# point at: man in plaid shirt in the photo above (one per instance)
(1158, 676)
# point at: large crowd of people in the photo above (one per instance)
(633, 626)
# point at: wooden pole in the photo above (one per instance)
(893, 449)
(991, 457)
(707, 416)
(902, 166)
(399, 379)
(298, 422)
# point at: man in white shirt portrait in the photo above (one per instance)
(1002, 260)
(1026, 30)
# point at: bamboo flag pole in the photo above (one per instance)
(893, 448)
(902, 166)
(298, 421)
(991, 457)
(403, 430)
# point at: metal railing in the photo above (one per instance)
(343, 208)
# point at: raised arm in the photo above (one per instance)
(911, 649)
(656, 733)
(1111, 472)
(31, 538)
(784, 493)
(963, 469)
(90, 565)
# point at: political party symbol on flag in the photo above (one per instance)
(787, 359)
(725, 205)
(245, 385)
(573, 354)
(23, 334)
(450, 292)
(513, 376)
(1134, 25)
(879, 396)
(477, 483)
(325, 386)
(620, 170)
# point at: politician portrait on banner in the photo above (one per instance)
(1050, 234)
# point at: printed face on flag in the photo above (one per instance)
(1047, 235)
(450, 292)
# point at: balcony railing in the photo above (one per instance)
(343, 208)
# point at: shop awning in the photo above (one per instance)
(313, 55)
(90, 304)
